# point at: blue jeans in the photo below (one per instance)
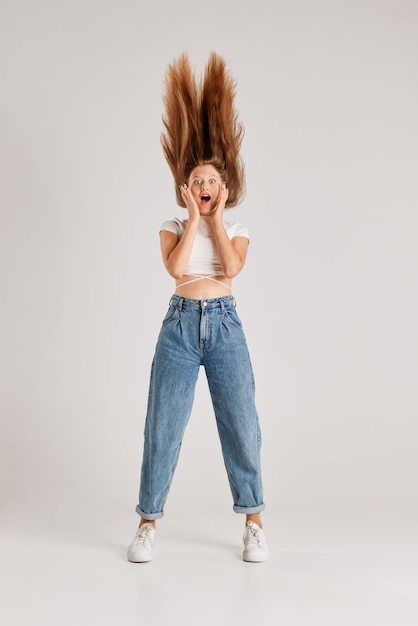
(195, 333)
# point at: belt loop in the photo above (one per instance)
(222, 305)
(234, 302)
(180, 304)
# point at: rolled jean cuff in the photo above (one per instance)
(248, 510)
(149, 516)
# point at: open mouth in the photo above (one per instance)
(205, 197)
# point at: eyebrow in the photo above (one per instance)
(210, 176)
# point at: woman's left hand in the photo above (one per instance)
(218, 209)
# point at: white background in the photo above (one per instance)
(328, 94)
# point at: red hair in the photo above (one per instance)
(201, 125)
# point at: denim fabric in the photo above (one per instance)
(195, 333)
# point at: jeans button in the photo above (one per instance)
(204, 303)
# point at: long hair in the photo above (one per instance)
(201, 125)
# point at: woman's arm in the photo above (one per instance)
(176, 252)
(232, 252)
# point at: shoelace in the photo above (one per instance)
(144, 537)
(254, 535)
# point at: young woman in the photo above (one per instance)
(203, 253)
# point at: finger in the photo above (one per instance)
(223, 194)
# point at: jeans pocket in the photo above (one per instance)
(231, 316)
(171, 314)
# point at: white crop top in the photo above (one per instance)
(204, 257)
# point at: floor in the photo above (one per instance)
(325, 568)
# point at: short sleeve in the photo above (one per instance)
(173, 226)
(238, 230)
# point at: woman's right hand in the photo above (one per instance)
(190, 203)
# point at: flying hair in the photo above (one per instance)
(202, 126)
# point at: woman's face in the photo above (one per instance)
(205, 185)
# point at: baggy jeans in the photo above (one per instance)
(195, 333)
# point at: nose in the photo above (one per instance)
(204, 185)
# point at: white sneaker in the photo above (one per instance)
(255, 545)
(140, 548)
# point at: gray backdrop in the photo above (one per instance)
(328, 94)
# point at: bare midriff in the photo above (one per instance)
(204, 288)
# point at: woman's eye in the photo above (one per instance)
(212, 181)
(196, 182)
